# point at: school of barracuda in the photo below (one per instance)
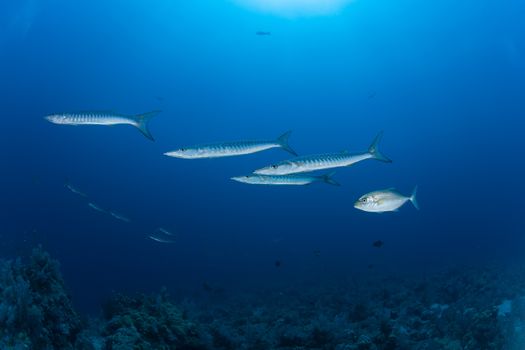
(297, 171)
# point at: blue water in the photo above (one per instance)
(444, 80)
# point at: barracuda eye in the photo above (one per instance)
(274, 166)
(183, 149)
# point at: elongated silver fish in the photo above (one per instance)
(74, 190)
(140, 121)
(160, 240)
(229, 149)
(166, 232)
(96, 207)
(119, 216)
(324, 161)
(385, 200)
(286, 180)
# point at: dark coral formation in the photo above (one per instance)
(462, 309)
(37, 313)
(147, 322)
(456, 310)
(35, 310)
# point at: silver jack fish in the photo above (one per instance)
(140, 121)
(229, 149)
(324, 161)
(290, 180)
(383, 201)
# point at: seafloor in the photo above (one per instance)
(462, 308)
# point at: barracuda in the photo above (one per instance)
(229, 149)
(324, 161)
(139, 121)
(286, 180)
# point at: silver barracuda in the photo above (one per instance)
(229, 149)
(160, 240)
(285, 180)
(74, 190)
(140, 121)
(324, 161)
(96, 207)
(119, 216)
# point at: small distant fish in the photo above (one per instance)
(166, 232)
(372, 94)
(324, 161)
(229, 149)
(74, 190)
(317, 252)
(278, 263)
(291, 180)
(96, 207)
(378, 244)
(140, 121)
(160, 240)
(384, 201)
(119, 217)
(261, 33)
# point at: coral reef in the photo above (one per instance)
(147, 322)
(460, 309)
(35, 310)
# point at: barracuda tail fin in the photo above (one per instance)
(327, 178)
(283, 142)
(374, 149)
(413, 198)
(142, 123)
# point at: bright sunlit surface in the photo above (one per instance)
(296, 8)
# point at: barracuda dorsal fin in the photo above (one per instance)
(142, 121)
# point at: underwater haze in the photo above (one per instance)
(443, 80)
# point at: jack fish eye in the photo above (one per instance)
(274, 166)
(183, 149)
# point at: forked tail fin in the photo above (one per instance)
(283, 142)
(374, 149)
(413, 198)
(142, 123)
(327, 178)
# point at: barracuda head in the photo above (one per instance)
(186, 153)
(56, 118)
(283, 168)
(245, 179)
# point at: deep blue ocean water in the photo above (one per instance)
(444, 80)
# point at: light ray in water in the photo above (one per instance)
(296, 8)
